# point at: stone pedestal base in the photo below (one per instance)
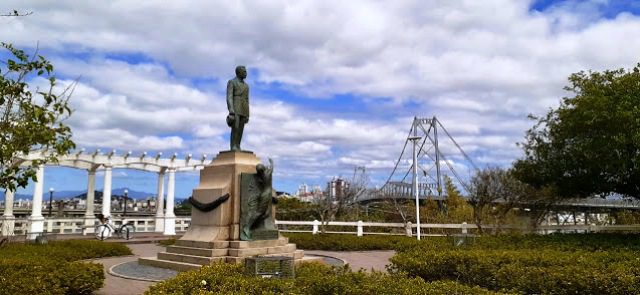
(89, 225)
(169, 225)
(8, 225)
(36, 227)
(159, 223)
(214, 236)
(186, 255)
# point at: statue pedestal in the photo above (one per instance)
(215, 235)
(216, 180)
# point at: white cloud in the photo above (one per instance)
(479, 66)
(124, 140)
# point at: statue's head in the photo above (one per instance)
(260, 169)
(241, 72)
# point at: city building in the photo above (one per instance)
(337, 188)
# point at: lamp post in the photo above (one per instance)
(50, 201)
(126, 193)
(415, 138)
(415, 191)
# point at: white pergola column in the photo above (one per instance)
(89, 218)
(169, 216)
(160, 203)
(106, 192)
(8, 220)
(36, 220)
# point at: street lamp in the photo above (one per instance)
(126, 192)
(50, 200)
(415, 140)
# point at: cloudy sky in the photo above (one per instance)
(335, 84)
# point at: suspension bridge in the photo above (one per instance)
(436, 155)
(426, 158)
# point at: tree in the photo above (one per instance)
(590, 144)
(31, 118)
(494, 193)
(458, 209)
(486, 188)
(293, 209)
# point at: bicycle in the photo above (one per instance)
(105, 230)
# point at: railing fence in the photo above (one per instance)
(359, 228)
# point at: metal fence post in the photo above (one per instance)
(408, 229)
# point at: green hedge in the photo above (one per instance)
(562, 242)
(53, 268)
(561, 264)
(343, 242)
(64, 250)
(311, 278)
(49, 277)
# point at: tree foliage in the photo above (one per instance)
(31, 118)
(590, 144)
(496, 192)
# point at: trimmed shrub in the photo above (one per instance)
(538, 271)
(65, 250)
(562, 242)
(50, 268)
(342, 242)
(49, 277)
(312, 278)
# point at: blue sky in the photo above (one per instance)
(331, 88)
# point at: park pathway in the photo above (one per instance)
(367, 260)
(118, 286)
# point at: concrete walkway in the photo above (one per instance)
(119, 286)
(367, 260)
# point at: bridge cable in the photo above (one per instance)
(458, 146)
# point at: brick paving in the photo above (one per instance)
(367, 260)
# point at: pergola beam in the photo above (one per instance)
(92, 162)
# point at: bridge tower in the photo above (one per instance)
(433, 150)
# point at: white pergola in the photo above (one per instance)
(97, 161)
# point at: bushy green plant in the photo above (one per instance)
(53, 268)
(19, 276)
(555, 264)
(65, 250)
(312, 278)
(342, 242)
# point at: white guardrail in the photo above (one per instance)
(441, 229)
(360, 228)
(77, 225)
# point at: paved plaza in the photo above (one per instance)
(114, 285)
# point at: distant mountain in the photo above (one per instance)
(82, 194)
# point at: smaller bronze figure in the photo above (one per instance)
(238, 106)
(256, 204)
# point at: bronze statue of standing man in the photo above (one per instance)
(238, 105)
